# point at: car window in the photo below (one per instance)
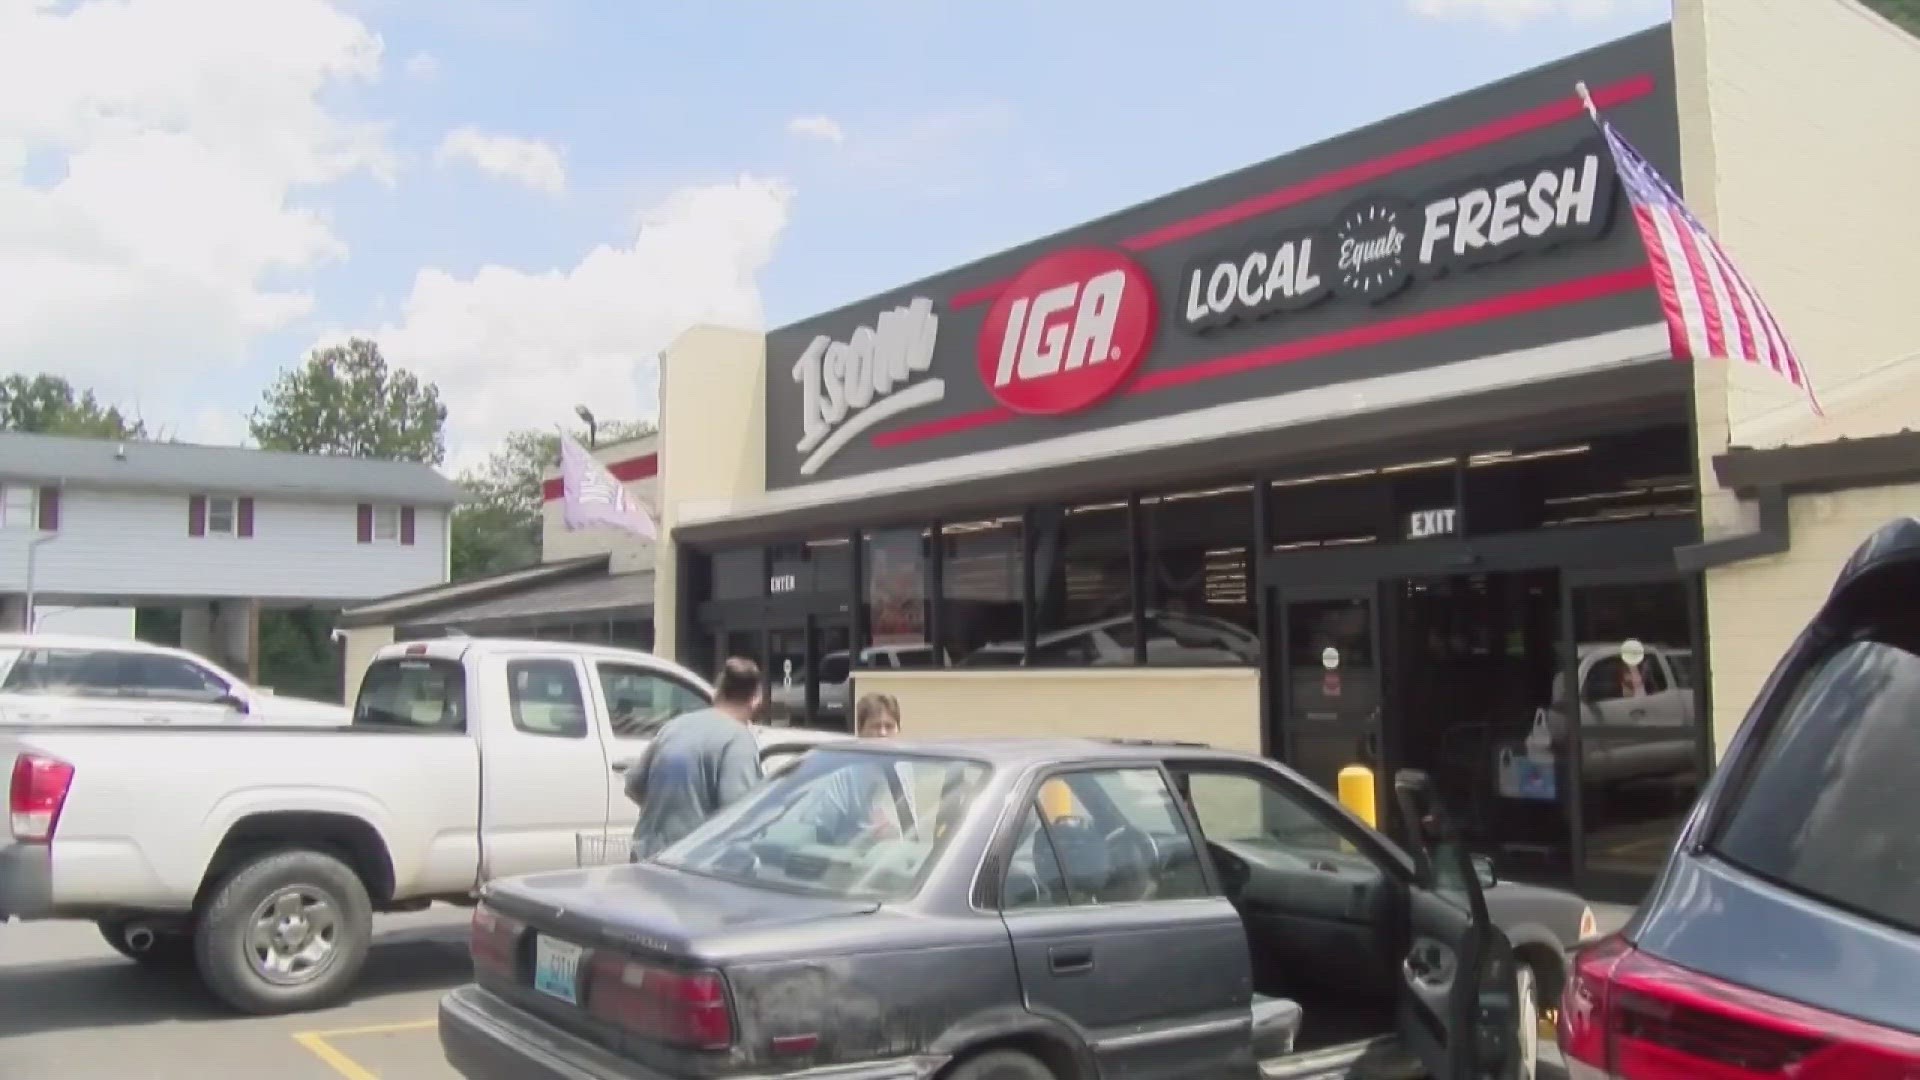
(544, 697)
(1611, 678)
(52, 671)
(155, 675)
(833, 668)
(1034, 878)
(1818, 811)
(640, 700)
(849, 823)
(1236, 807)
(415, 692)
(1119, 836)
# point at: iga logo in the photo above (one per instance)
(1371, 249)
(1067, 332)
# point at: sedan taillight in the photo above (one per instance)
(683, 1008)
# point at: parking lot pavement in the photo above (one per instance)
(77, 1010)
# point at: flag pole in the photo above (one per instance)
(1586, 99)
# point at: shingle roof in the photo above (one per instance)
(234, 469)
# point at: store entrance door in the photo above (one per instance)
(1329, 668)
(1642, 736)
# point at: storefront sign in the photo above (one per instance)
(1422, 524)
(848, 386)
(783, 583)
(1067, 332)
(1379, 244)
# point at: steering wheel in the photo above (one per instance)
(1136, 863)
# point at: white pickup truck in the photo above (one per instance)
(259, 854)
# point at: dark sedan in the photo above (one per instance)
(1014, 910)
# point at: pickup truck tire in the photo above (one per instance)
(165, 951)
(1001, 1065)
(286, 930)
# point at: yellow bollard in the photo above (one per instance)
(1357, 793)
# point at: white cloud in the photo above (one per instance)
(513, 348)
(153, 155)
(523, 161)
(823, 128)
(422, 66)
(1515, 12)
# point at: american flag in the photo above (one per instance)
(1712, 311)
(590, 495)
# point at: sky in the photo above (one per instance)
(524, 201)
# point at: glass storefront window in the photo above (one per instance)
(1629, 477)
(1197, 577)
(1640, 721)
(1082, 585)
(821, 566)
(739, 574)
(1409, 500)
(896, 570)
(981, 562)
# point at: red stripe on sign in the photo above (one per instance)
(1520, 302)
(1459, 142)
(638, 468)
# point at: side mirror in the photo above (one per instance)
(1483, 870)
(236, 703)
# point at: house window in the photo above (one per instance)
(386, 523)
(220, 515)
(16, 506)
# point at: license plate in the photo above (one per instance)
(556, 968)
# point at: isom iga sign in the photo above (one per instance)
(1067, 332)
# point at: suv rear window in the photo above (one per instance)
(413, 692)
(1817, 811)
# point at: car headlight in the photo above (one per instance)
(1589, 926)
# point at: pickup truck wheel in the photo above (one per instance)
(1001, 1065)
(148, 947)
(285, 932)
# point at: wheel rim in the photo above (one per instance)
(293, 936)
(1529, 1011)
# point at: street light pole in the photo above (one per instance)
(593, 429)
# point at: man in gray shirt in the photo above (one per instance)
(698, 762)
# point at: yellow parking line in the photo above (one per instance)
(316, 1044)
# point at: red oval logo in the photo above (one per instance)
(1068, 332)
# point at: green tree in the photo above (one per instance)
(498, 527)
(345, 399)
(1902, 13)
(47, 405)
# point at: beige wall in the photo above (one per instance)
(629, 552)
(1220, 706)
(712, 442)
(1795, 153)
(360, 646)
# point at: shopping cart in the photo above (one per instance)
(601, 849)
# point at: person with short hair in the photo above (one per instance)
(698, 762)
(877, 716)
(859, 799)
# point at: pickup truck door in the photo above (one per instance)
(544, 777)
(633, 701)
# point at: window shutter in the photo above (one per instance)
(406, 525)
(50, 509)
(366, 523)
(197, 515)
(243, 516)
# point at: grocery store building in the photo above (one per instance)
(1372, 453)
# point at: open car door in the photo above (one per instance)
(1458, 1007)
